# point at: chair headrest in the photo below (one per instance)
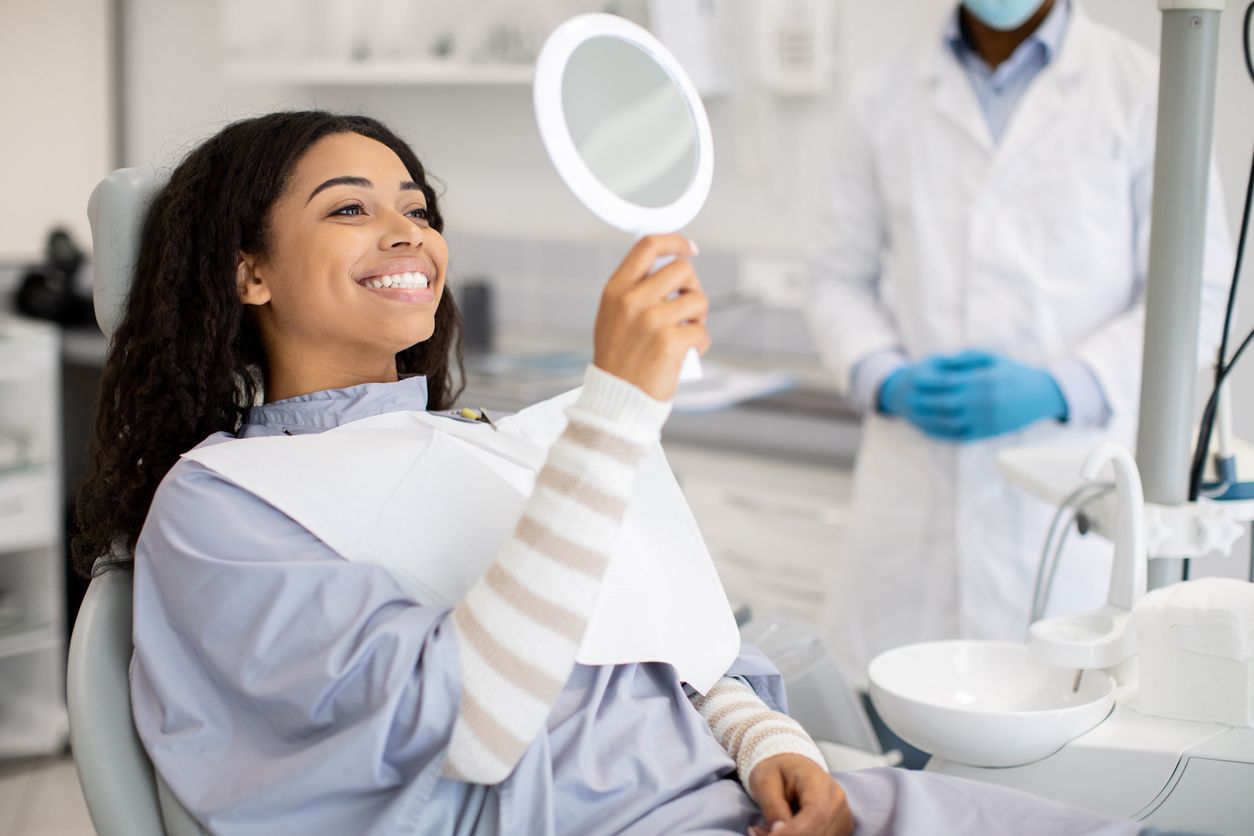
(116, 212)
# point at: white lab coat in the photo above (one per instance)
(1036, 247)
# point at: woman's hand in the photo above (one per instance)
(642, 333)
(796, 791)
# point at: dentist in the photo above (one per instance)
(980, 286)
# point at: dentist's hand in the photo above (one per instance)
(977, 394)
(642, 334)
(796, 791)
(909, 392)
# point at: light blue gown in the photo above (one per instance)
(281, 689)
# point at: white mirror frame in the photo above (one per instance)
(551, 120)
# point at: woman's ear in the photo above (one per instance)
(252, 289)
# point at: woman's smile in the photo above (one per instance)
(411, 280)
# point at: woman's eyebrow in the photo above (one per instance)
(346, 180)
(362, 182)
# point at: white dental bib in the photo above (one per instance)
(432, 500)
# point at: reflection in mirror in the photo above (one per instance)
(629, 121)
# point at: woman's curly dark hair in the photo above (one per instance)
(185, 361)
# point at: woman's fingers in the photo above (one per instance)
(687, 319)
(646, 323)
(679, 276)
(640, 259)
(690, 307)
(811, 814)
(822, 806)
(771, 795)
(695, 335)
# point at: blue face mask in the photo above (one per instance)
(1003, 14)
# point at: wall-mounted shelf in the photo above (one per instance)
(344, 73)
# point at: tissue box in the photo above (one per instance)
(1196, 646)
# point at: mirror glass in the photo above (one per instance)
(629, 121)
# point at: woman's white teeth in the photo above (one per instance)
(403, 281)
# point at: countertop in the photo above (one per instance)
(809, 422)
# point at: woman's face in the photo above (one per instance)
(353, 272)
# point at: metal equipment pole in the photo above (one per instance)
(1186, 105)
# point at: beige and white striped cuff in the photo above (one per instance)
(751, 732)
(613, 404)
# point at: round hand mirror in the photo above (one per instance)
(624, 127)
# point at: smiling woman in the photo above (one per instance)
(247, 282)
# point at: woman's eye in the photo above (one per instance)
(419, 214)
(351, 209)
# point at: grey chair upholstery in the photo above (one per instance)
(116, 211)
(124, 796)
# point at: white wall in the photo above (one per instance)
(56, 117)
(482, 141)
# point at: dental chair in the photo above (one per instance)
(124, 794)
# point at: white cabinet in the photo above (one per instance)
(32, 556)
(771, 525)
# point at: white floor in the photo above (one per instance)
(40, 797)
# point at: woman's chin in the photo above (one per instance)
(401, 332)
(411, 338)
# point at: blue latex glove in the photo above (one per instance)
(910, 391)
(978, 394)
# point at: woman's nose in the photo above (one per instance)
(402, 232)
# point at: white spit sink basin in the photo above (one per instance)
(985, 703)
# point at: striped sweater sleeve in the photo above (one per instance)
(749, 730)
(519, 627)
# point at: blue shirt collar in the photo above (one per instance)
(329, 408)
(1047, 37)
